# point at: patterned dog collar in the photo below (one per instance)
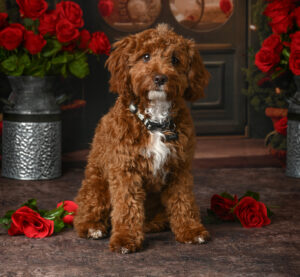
(167, 127)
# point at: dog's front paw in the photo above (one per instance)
(125, 244)
(95, 234)
(193, 235)
(89, 230)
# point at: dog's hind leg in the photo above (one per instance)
(92, 218)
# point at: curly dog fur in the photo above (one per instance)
(135, 180)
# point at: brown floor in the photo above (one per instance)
(222, 164)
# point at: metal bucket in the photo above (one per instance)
(31, 140)
(293, 134)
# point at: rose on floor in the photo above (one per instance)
(35, 223)
(70, 207)
(247, 210)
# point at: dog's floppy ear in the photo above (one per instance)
(198, 76)
(117, 64)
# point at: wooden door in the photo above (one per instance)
(221, 39)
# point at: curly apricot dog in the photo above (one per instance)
(138, 178)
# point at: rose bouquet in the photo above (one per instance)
(35, 223)
(280, 52)
(48, 42)
(247, 210)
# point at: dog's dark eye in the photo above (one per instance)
(175, 60)
(146, 57)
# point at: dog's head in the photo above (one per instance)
(157, 60)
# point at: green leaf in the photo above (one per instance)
(28, 22)
(10, 64)
(9, 214)
(52, 47)
(19, 71)
(227, 195)
(5, 222)
(58, 225)
(252, 194)
(55, 213)
(60, 59)
(24, 60)
(79, 68)
(64, 71)
(39, 71)
(42, 212)
(286, 53)
(48, 66)
(31, 203)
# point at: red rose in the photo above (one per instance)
(281, 24)
(222, 206)
(34, 43)
(66, 31)
(295, 43)
(3, 22)
(266, 58)
(226, 6)
(294, 62)
(99, 43)
(281, 126)
(273, 42)
(70, 207)
(71, 11)
(32, 8)
(48, 23)
(11, 36)
(30, 223)
(279, 8)
(105, 7)
(17, 26)
(85, 38)
(296, 15)
(251, 213)
(280, 13)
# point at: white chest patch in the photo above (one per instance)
(158, 111)
(158, 150)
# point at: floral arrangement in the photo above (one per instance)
(247, 210)
(270, 81)
(48, 42)
(280, 51)
(35, 223)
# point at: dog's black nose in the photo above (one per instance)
(160, 79)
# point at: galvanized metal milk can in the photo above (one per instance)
(293, 134)
(31, 142)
